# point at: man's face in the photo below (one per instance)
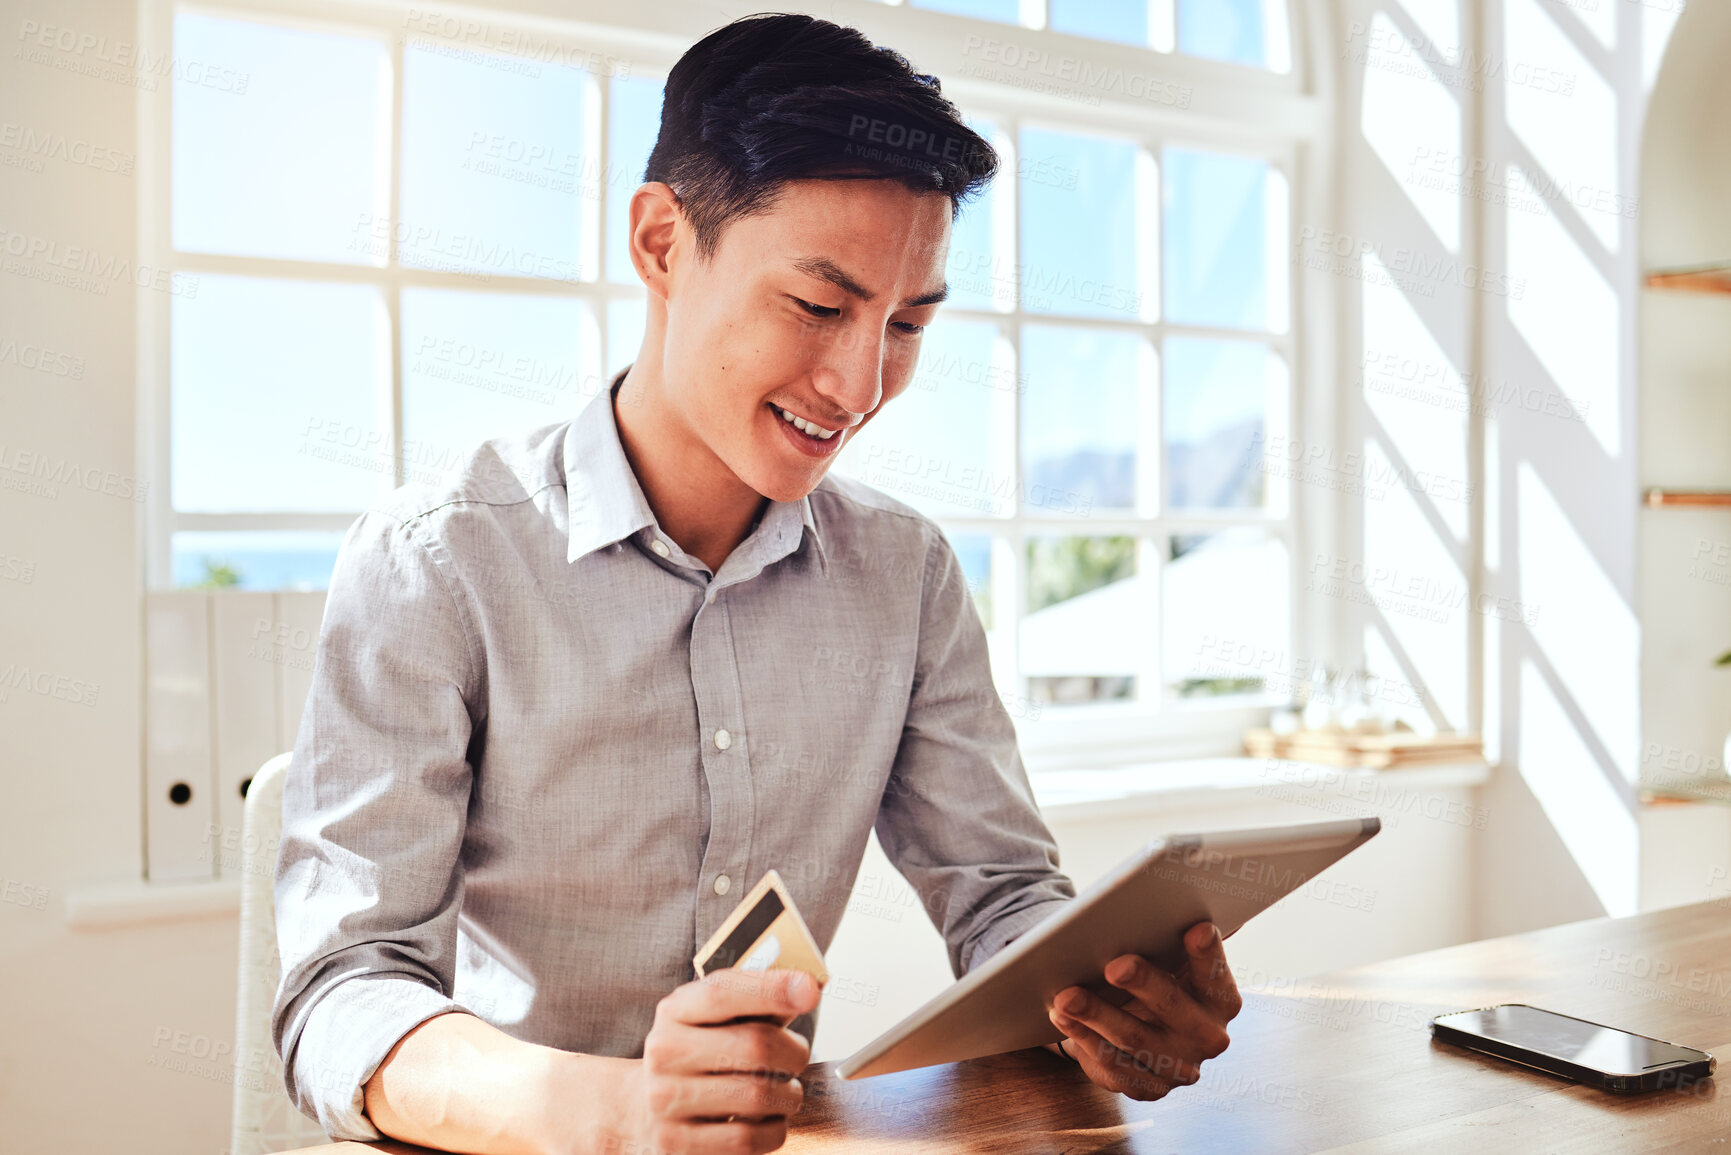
(812, 310)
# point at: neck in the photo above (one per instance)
(698, 501)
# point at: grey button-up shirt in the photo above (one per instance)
(539, 733)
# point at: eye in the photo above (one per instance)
(909, 328)
(818, 310)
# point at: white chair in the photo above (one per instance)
(265, 1119)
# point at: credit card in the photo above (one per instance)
(763, 931)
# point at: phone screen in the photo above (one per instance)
(1576, 1040)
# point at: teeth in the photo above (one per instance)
(805, 426)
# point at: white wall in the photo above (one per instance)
(1683, 574)
(81, 1010)
(1490, 244)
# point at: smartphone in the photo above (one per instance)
(1590, 1053)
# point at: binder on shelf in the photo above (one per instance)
(179, 779)
(244, 697)
(227, 674)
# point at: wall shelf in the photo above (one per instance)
(1658, 497)
(1708, 278)
(1719, 793)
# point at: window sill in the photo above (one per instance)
(1089, 737)
(106, 906)
(1080, 794)
(1152, 787)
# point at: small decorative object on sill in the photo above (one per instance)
(1318, 711)
(1395, 749)
(1286, 720)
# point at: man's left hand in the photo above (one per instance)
(1172, 1023)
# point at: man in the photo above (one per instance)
(566, 710)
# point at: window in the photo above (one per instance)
(395, 240)
(422, 226)
(1089, 410)
(1252, 32)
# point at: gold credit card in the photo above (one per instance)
(763, 931)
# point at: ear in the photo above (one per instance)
(658, 235)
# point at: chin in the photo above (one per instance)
(780, 485)
(788, 491)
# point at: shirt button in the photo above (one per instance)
(722, 883)
(723, 739)
(660, 547)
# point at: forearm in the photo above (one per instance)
(459, 1084)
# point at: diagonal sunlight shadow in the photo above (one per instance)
(1582, 477)
(1572, 697)
(1596, 43)
(1568, 215)
(1375, 619)
(1427, 506)
(1412, 121)
(1524, 648)
(1599, 830)
(1562, 106)
(1584, 625)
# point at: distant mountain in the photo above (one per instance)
(1225, 470)
(1086, 479)
(1222, 471)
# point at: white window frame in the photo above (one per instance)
(1231, 108)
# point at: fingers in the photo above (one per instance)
(720, 1137)
(696, 1098)
(1169, 1053)
(719, 1064)
(1107, 1066)
(1171, 1005)
(1207, 975)
(1170, 1025)
(756, 1048)
(724, 995)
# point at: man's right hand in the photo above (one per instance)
(719, 1068)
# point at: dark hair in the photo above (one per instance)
(774, 97)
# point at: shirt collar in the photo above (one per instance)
(605, 504)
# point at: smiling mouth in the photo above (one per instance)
(809, 428)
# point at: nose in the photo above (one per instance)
(850, 374)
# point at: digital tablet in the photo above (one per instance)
(1143, 907)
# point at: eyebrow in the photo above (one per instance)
(825, 269)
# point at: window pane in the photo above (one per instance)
(1079, 228)
(1079, 420)
(1223, 30)
(278, 140)
(1125, 21)
(498, 177)
(1218, 242)
(1225, 611)
(625, 322)
(1088, 618)
(276, 392)
(255, 561)
(1225, 405)
(980, 275)
(634, 118)
(974, 551)
(477, 365)
(932, 446)
(1003, 11)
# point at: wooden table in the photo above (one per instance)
(1341, 1062)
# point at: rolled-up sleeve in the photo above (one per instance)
(369, 880)
(958, 817)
